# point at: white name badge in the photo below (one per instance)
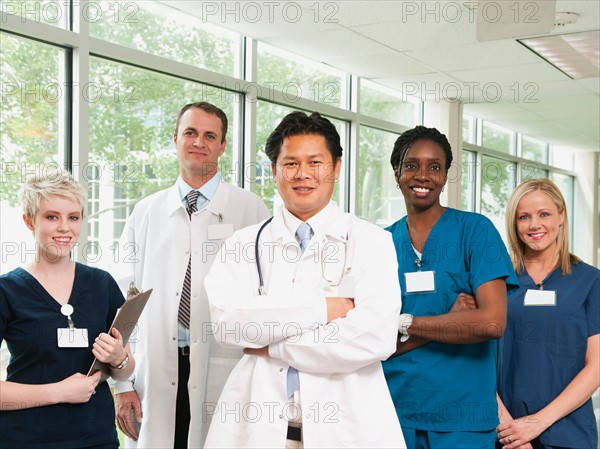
(346, 287)
(72, 337)
(540, 298)
(420, 281)
(220, 231)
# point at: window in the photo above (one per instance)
(380, 102)
(379, 200)
(469, 129)
(498, 138)
(467, 180)
(132, 122)
(268, 117)
(297, 77)
(534, 150)
(32, 131)
(563, 158)
(566, 185)
(155, 28)
(497, 183)
(55, 13)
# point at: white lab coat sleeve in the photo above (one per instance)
(369, 332)
(240, 317)
(262, 213)
(127, 258)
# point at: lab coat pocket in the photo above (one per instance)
(219, 370)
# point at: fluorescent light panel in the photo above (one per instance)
(575, 54)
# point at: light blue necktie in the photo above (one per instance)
(304, 233)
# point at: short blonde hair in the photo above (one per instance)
(44, 185)
(516, 246)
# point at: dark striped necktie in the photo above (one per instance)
(185, 309)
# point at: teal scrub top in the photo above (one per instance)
(544, 348)
(439, 386)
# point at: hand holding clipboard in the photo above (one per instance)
(125, 322)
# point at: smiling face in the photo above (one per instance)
(305, 174)
(56, 227)
(199, 142)
(538, 223)
(422, 175)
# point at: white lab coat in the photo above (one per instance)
(344, 396)
(162, 235)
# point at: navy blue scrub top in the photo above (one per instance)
(544, 349)
(29, 319)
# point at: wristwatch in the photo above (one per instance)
(123, 364)
(404, 322)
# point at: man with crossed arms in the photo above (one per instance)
(312, 374)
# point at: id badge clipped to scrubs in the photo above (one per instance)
(539, 298)
(71, 337)
(420, 281)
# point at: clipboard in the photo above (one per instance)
(125, 322)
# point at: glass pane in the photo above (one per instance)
(467, 181)
(562, 158)
(155, 28)
(498, 138)
(269, 115)
(31, 132)
(132, 122)
(49, 12)
(297, 77)
(468, 133)
(497, 183)
(534, 150)
(566, 185)
(532, 170)
(379, 200)
(380, 102)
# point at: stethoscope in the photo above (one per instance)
(346, 268)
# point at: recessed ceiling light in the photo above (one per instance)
(575, 54)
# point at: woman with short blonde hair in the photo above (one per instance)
(54, 315)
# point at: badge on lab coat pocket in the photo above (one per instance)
(220, 231)
(540, 298)
(420, 281)
(72, 337)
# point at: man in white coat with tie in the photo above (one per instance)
(312, 296)
(168, 244)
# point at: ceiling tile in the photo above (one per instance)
(523, 75)
(387, 64)
(475, 56)
(593, 84)
(560, 88)
(417, 34)
(326, 45)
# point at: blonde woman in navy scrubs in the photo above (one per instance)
(550, 361)
(53, 316)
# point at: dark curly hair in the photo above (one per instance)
(297, 123)
(407, 138)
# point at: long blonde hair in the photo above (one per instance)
(516, 246)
